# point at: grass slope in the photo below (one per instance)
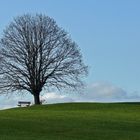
(72, 121)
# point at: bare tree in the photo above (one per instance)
(36, 53)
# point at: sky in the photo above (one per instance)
(108, 34)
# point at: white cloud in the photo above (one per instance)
(101, 91)
(53, 97)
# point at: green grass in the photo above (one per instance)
(72, 121)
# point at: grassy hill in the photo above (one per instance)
(72, 121)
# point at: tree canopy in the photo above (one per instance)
(35, 53)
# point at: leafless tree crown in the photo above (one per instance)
(36, 53)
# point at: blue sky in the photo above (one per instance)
(107, 31)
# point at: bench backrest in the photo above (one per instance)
(24, 102)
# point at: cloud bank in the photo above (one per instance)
(96, 92)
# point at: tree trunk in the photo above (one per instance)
(37, 99)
